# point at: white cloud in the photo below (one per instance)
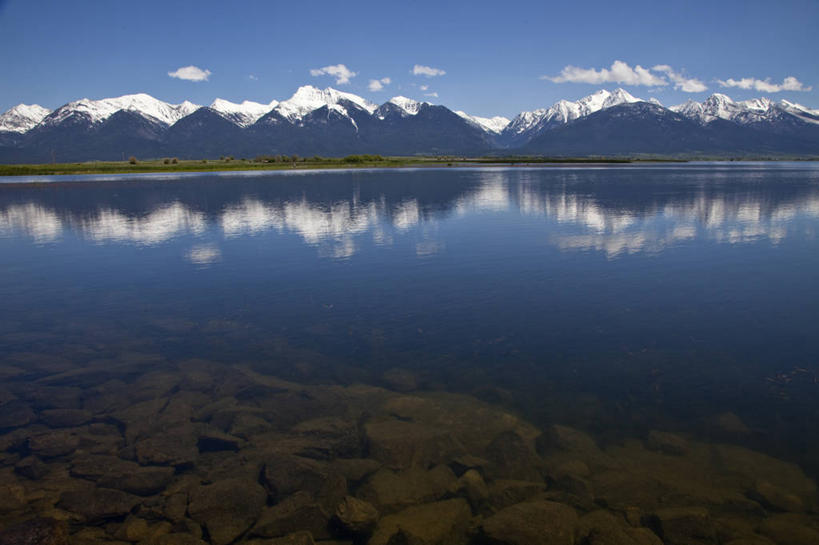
(428, 71)
(788, 84)
(682, 83)
(338, 71)
(424, 87)
(190, 73)
(378, 84)
(253, 77)
(620, 72)
(433, 95)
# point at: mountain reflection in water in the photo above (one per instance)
(640, 221)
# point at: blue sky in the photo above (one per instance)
(499, 58)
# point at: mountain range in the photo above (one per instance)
(332, 123)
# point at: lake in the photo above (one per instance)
(625, 338)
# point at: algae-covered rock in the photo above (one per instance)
(174, 447)
(32, 468)
(603, 528)
(473, 487)
(284, 475)
(401, 444)
(356, 516)
(506, 492)
(439, 523)
(683, 526)
(668, 443)
(142, 481)
(776, 498)
(299, 512)
(54, 443)
(790, 529)
(98, 504)
(65, 418)
(393, 490)
(531, 523)
(227, 508)
(16, 414)
(38, 531)
(511, 457)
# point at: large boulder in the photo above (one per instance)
(227, 508)
(683, 526)
(98, 504)
(393, 490)
(299, 512)
(142, 481)
(439, 523)
(531, 523)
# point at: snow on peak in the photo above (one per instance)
(564, 111)
(244, 114)
(308, 98)
(494, 125)
(409, 105)
(100, 110)
(719, 106)
(22, 117)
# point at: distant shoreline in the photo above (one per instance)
(350, 162)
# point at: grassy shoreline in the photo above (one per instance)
(213, 165)
(353, 161)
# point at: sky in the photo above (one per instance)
(486, 58)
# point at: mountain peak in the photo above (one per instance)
(244, 114)
(409, 105)
(22, 117)
(308, 98)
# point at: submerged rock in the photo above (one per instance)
(439, 523)
(683, 526)
(295, 513)
(400, 380)
(791, 529)
(32, 468)
(668, 443)
(53, 444)
(356, 516)
(65, 418)
(392, 490)
(16, 414)
(399, 444)
(227, 508)
(531, 523)
(511, 457)
(175, 447)
(142, 481)
(38, 531)
(98, 504)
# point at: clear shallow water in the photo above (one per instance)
(613, 299)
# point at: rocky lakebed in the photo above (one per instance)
(199, 452)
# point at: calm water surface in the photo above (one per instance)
(614, 299)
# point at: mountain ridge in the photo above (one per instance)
(329, 121)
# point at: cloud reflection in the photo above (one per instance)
(573, 220)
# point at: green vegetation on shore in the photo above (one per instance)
(275, 162)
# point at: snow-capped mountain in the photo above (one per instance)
(22, 118)
(757, 110)
(308, 99)
(494, 125)
(526, 124)
(244, 114)
(331, 122)
(96, 111)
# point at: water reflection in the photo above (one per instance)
(577, 215)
